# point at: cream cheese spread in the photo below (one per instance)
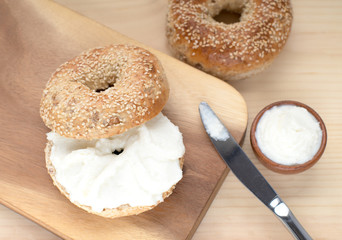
(147, 166)
(288, 134)
(212, 124)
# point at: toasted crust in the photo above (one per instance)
(123, 210)
(103, 92)
(229, 51)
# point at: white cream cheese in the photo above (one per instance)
(212, 124)
(288, 134)
(147, 166)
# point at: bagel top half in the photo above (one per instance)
(103, 92)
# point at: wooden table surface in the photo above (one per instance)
(308, 70)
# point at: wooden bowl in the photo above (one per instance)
(280, 168)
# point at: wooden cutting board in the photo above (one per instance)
(37, 36)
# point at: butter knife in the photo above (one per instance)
(246, 172)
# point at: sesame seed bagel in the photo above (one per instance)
(121, 211)
(228, 51)
(103, 92)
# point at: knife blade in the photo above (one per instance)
(246, 172)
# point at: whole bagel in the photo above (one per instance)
(103, 92)
(228, 51)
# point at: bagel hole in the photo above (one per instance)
(117, 151)
(104, 89)
(101, 82)
(227, 17)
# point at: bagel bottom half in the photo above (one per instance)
(64, 173)
(121, 211)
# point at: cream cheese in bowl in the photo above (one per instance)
(288, 136)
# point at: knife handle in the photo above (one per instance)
(281, 210)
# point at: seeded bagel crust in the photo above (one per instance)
(123, 210)
(103, 92)
(228, 51)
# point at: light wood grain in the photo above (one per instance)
(309, 70)
(38, 36)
